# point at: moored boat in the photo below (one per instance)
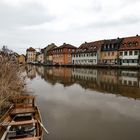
(22, 121)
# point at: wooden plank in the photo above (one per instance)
(30, 138)
(20, 123)
(24, 97)
(23, 110)
(22, 105)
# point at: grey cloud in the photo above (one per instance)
(30, 14)
(126, 20)
(101, 23)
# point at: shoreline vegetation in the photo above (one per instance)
(12, 82)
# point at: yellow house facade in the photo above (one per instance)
(21, 59)
(109, 51)
(109, 57)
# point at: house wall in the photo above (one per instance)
(130, 57)
(40, 58)
(31, 56)
(46, 52)
(21, 59)
(84, 58)
(109, 57)
(62, 56)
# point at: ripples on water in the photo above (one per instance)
(87, 104)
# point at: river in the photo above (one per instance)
(87, 104)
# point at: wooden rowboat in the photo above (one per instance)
(22, 121)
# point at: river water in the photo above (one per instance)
(87, 104)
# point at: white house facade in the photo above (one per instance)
(84, 58)
(86, 54)
(129, 52)
(130, 57)
(31, 55)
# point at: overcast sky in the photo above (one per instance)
(37, 23)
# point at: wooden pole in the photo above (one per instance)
(47, 132)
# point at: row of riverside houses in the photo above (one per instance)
(120, 51)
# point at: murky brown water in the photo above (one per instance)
(87, 104)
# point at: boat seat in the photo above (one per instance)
(29, 138)
(23, 110)
(18, 123)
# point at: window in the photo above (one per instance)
(121, 53)
(136, 52)
(129, 83)
(124, 61)
(137, 43)
(130, 52)
(108, 46)
(130, 44)
(125, 53)
(112, 53)
(135, 61)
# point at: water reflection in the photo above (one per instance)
(120, 82)
(75, 105)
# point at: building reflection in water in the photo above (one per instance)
(108, 80)
(31, 71)
(129, 84)
(121, 82)
(58, 75)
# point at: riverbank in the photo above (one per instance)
(92, 66)
(11, 82)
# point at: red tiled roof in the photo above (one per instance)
(65, 46)
(130, 43)
(113, 41)
(31, 49)
(87, 45)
